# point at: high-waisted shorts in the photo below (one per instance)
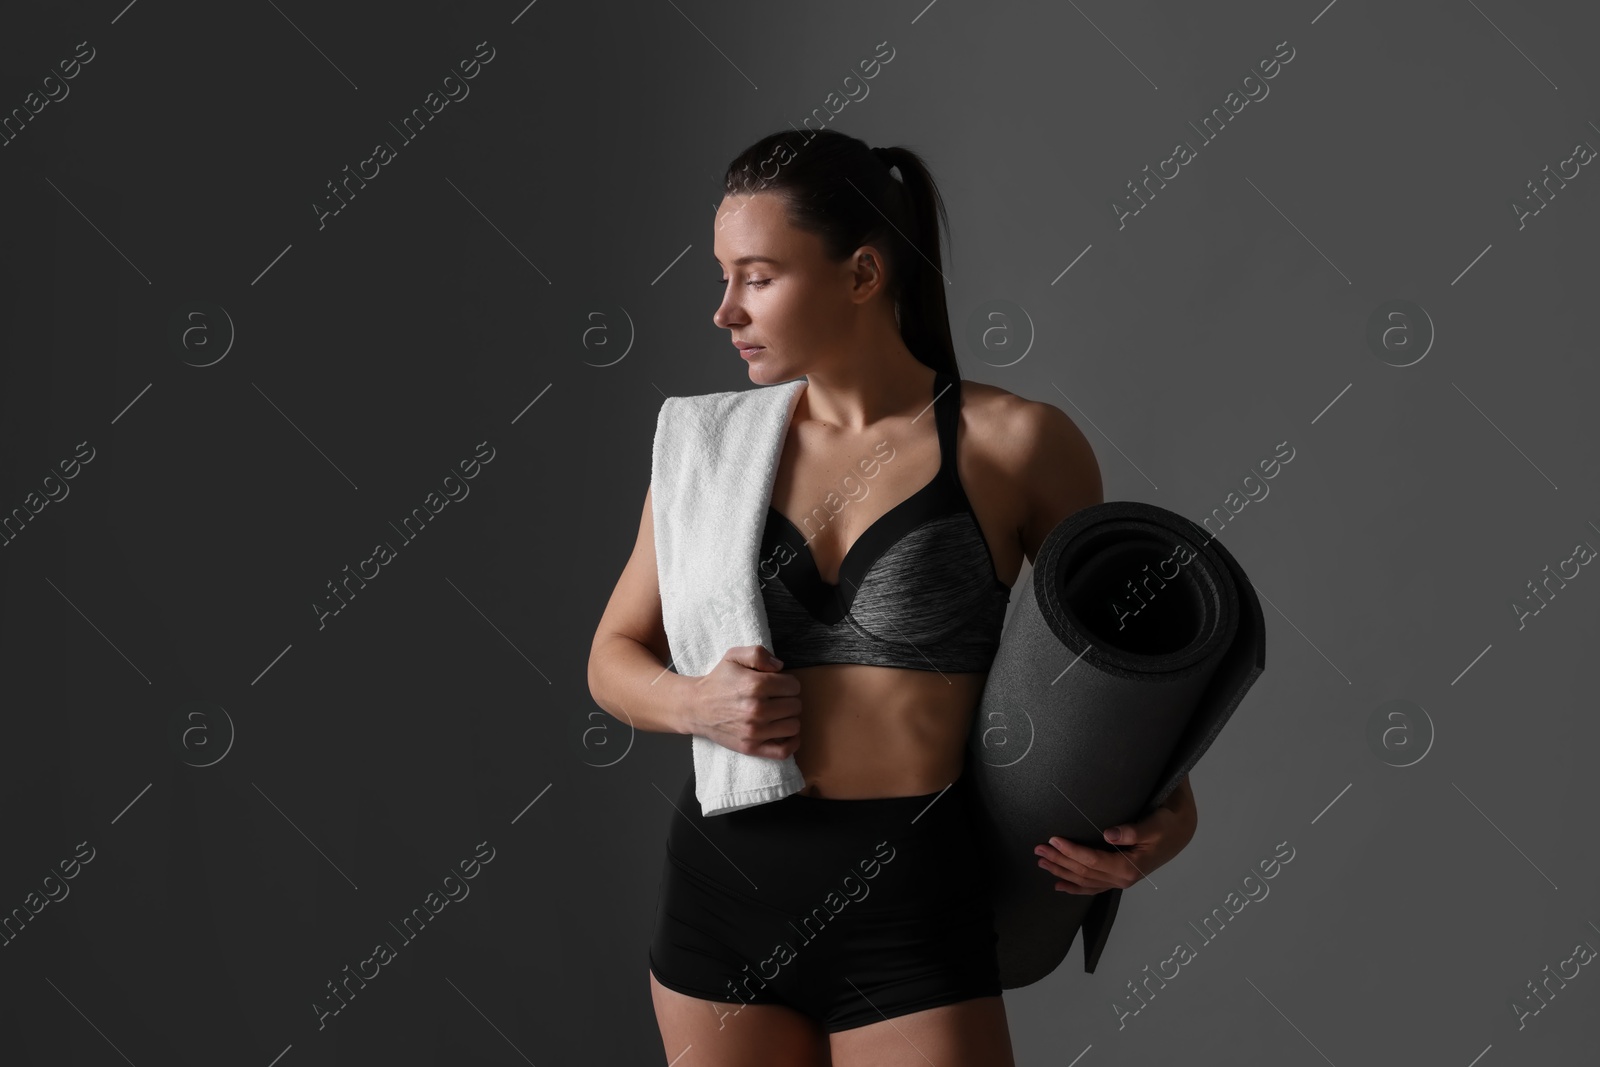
(850, 911)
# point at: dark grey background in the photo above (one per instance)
(447, 704)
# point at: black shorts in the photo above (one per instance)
(851, 911)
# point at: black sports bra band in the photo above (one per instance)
(946, 416)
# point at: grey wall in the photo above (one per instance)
(263, 790)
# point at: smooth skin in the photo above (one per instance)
(868, 731)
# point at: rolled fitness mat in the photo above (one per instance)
(1127, 652)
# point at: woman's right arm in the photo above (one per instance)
(627, 661)
(745, 702)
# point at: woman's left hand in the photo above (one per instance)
(1144, 846)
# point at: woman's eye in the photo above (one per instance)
(758, 282)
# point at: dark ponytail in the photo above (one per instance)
(837, 187)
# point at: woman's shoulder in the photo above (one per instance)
(1020, 436)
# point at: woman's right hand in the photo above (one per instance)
(748, 705)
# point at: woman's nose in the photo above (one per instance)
(728, 314)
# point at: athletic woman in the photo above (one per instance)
(848, 923)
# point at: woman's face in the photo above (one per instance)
(779, 289)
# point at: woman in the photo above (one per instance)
(848, 923)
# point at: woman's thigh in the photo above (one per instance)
(709, 1033)
(969, 1031)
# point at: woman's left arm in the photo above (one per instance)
(1143, 846)
(1041, 451)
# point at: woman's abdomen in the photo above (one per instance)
(882, 731)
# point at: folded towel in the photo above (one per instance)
(713, 465)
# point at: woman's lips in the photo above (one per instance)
(748, 352)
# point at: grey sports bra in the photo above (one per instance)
(918, 589)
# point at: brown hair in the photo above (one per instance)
(839, 188)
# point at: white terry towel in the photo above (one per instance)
(712, 470)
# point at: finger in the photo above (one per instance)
(1148, 828)
(1077, 889)
(1119, 874)
(1060, 861)
(1107, 870)
(778, 709)
(779, 684)
(1139, 832)
(1071, 852)
(1119, 870)
(1087, 879)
